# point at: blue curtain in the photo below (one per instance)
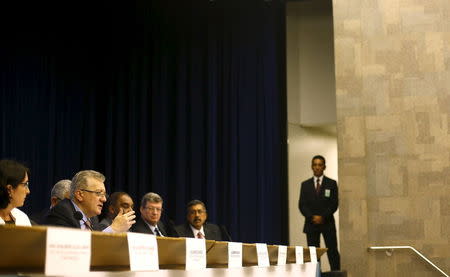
(183, 98)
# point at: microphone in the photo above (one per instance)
(171, 228)
(78, 216)
(225, 235)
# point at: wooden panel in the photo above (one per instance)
(23, 250)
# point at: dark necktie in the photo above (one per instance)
(318, 186)
(200, 235)
(157, 232)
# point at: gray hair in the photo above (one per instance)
(60, 189)
(151, 197)
(79, 181)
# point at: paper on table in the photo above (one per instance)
(263, 254)
(234, 254)
(282, 254)
(313, 254)
(299, 255)
(195, 253)
(68, 251)
(143, 250)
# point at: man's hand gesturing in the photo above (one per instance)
(122, 222)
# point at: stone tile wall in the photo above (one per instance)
(393, 124)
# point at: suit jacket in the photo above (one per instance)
(39, 217)
(105, 223)
(63, 214)
(324, 204)
(212, 231)
(141, 227)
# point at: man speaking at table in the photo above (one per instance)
(87, 196)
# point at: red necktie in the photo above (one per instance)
(318, 187)
(200, 235)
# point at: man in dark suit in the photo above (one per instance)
(318, 202)
(87, 196)
(60, 191)
(196, 226)
(150, 220)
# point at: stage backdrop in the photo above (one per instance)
(183, 98)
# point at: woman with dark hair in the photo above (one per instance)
(13, 191)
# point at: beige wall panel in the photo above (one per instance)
(392, 64)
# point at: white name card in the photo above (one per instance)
(299, 255)
(68, 251)
(313, 254)
(282, 254)
(263, 254)
(143, 251)
(234, 254)
(195, 253)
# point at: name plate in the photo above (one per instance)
(195, 253)
(143, 250)
(263, 254)
(299, 255)
(68, 251)
(234, 254)
(282, 254)
(313, 254)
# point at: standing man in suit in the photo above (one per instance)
(196, 226)
(87, 196)
(318, 202)
(150, 220)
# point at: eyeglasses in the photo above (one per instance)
(98, 193)
(200, 212)
(25, 184)
(153, 209)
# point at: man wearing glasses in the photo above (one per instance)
(87, 196)
(150, 220)
(196, 226)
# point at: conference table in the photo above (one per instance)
(23, 251)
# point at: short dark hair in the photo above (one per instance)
(115, 196)
(320, 157)
(195, 202)
(11, 173)
(112, 200)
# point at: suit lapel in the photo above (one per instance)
(72, 209)
(149, 229)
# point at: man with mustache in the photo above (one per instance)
(196, 226)
(87, 196)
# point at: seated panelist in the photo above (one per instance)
(60, 191)
(14, 188)
(87, 197)
(118, 201)
(150, 221)
(196, 226)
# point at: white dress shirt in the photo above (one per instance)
(195, 231)
(20, 218)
